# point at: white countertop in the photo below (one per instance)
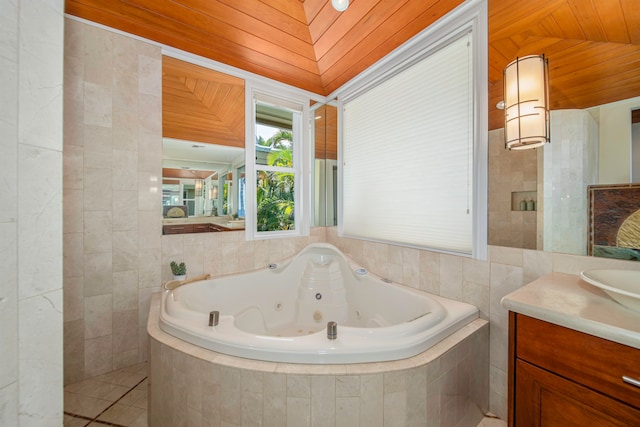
(569, 301)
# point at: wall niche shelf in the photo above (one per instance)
(527, 196)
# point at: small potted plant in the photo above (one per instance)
(179, 270)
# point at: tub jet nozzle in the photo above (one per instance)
(214, 316)
(332, 330)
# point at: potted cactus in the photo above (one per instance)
(179, 270)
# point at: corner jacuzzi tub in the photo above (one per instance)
(281, 313)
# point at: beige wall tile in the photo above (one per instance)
(98, 150)
(395, 409)
(97, 272)
(98, 316)
(149, 268)
(97, 105)
(125, 176)
(73, 259)
(150, 230)
(125, 214)
(73, 351)
(149, 191)
(275, 399)
(97, 189)
(125, 257)
(371, 400)
(298, 386)
(149, 121)
(451, 276)
(347, 411)
(98, 55)
(97, 232)
(73, 164)
(323, 402)
(73, 299)
(98, 356)
(149, 80)
(125, 290)
(231, 402)
(348, 386)
(299, 411)
(417, 397)
(125, 130)
(125, 331)
(73, 221)
(411, 267)
(126, 358)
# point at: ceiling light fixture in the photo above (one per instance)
(340, 5)
(526, 102)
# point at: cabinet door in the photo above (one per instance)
(177, 229)
(594, 362)
(201, 228)
(543, 399)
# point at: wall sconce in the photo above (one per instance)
(340, 5)
(198, 187)
(213, 193)
(526, 103)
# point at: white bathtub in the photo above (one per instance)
(280, 314)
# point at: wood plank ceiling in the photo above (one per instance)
(593, 46)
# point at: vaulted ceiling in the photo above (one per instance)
(593, 46)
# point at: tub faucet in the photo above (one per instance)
(214, 317)
(332, 330)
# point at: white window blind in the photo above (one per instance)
(408, 155)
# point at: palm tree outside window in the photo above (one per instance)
(275, 172)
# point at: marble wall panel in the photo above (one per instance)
(112, 240)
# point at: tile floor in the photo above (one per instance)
(119, 399)
(492, 421)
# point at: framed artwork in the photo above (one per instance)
(614, 221)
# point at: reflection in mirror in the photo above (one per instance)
(635, 145)
(202, 183)
(325, 137)
(588, 147)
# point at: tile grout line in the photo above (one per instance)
(95, 419)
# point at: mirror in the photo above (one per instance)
(202, 186)
(588, 147)
(635, 145)
(324, 135)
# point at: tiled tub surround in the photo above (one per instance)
(446, 385)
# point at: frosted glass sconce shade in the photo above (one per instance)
(526, 102)
(340, 5)
(198, 187)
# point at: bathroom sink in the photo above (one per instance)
(621, 285)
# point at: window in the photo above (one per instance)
(276, 187)
(410, 150)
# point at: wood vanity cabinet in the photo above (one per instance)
(177, 229)
(201, 228)
(192, 228)
(561, 377)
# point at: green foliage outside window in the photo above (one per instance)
(275, 190)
